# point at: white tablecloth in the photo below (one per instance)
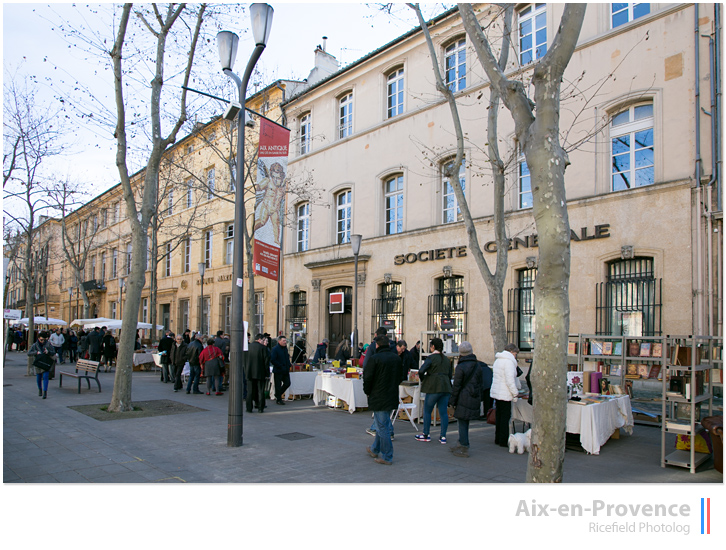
(301, 383)
(143, 358)
(595, 422)
(349, 390)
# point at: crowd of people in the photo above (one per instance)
(386, 363)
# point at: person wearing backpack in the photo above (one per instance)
(212, 361)
(435, 375)
(466, 395)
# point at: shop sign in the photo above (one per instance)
(337, 302)
(530, 241)
(447, 323)
(14, 314)
(430, 255)
(388, 323)
(296, 325)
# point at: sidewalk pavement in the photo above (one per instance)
(46, 442)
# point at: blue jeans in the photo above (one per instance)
(382, 442)
(463, 431)
(195, 371)
(43, 376)
(373, 425)
(432, 399)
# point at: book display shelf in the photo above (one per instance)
(601, 360)
(687, 394)
(645, 361)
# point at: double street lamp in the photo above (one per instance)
(227, 42)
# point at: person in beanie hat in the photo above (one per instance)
(466, 395)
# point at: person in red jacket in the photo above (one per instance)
(211, 360)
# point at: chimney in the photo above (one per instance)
(325, 43)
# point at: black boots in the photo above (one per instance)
(45, 394)
(40, 392)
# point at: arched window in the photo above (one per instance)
(388, 309)
(631, 137)
(303, 227)
(343, 217)
(394, 92)
(450, 206)
(455, 65)
(345, 118)
(629, 301)
(393, 192)
(448, 307)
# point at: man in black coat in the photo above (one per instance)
(406, 357)
(95, 339)
(178, 358)
(257, 371)
(381, 378)
(280, 359)
(165, 346)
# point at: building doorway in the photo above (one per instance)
(340, 325)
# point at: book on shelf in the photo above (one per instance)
(643, 371)
(572, 348)
(590, 366)
(607, 348)
(595, 347)
(629, 388)
(616, 389)
(604, 386)
(645, 349)
(682, 411)
(654, 371)
(595, 378)
(618, 348)
(672, 425)
(657, 349)
(616, 370)
(675, 386)
(633, 348)
(631, 370)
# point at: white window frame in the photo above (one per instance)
(210, 184)
(129, 251)
(537, 49)
(343, 214)
(103, 266)
(303, 227)
(631, 128)
(186, 266)
(229, 244)
(114, 263)
(259, 312)
(629, 9)
(306, 125)
(523, 175)
(208, 248)
(145, 310)
(456, 50)
(393, 214)
(190, 193)
(170, 203)
(167, 261)
(345, 115)
(113, 310)
(394, 93)
(447, 191)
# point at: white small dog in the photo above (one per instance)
(520, 442)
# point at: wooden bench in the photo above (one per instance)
(85, 369)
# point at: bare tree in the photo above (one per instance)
(538, 136)
(160, 23)
(78, 240)
(30, 139)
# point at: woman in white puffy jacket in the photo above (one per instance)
(505, 388)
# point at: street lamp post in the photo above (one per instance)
(261, 16)
(120, 295)
(70, 297)
(201, 266)
(355, 241)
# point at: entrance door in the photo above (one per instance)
(340, 325)
(165, 316)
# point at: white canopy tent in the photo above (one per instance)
(116, 324)
(38, 320)
(83, 322)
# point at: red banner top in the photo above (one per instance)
(274, 140)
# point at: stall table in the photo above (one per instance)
(301, 383)
(144, 361)
(595, 422)
(349, 390)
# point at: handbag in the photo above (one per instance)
(492, 416)
(43, 362)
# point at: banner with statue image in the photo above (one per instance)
(270, 198)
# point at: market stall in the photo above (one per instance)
(301, 383)
(595, 421)
(349, 390)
